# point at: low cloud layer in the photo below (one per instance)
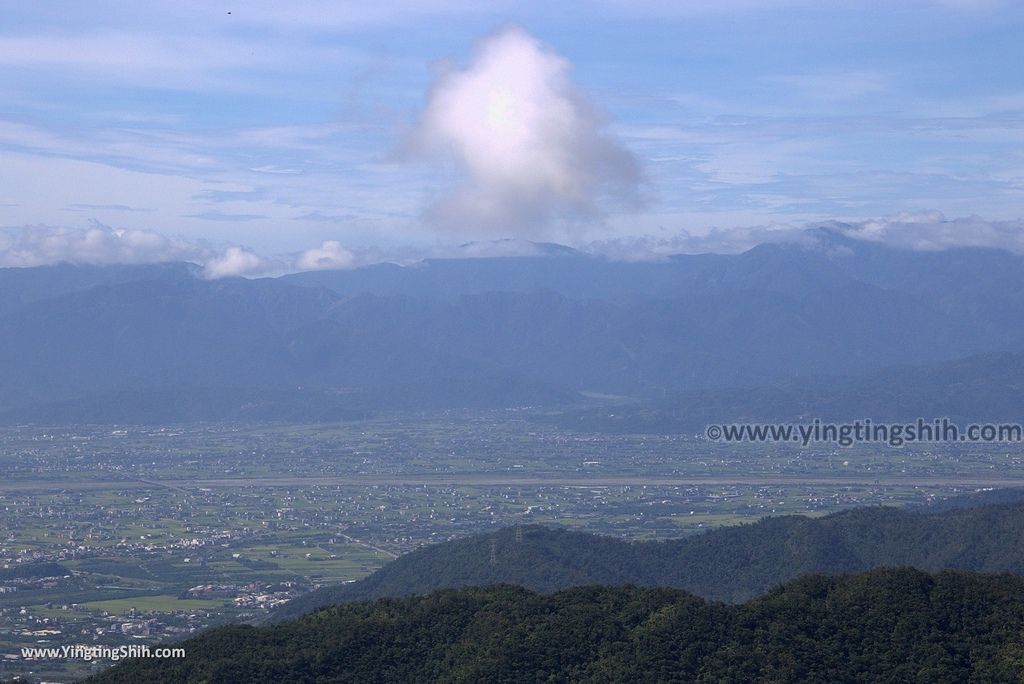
(933, 231)
(532, 148)
(43, 245)
(100, 245)
(926, 231)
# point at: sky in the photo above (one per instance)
(258, 137)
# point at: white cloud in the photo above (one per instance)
(924, 231)
(933, 231)
(237, 261)
(40, 245)
(29, 246)
(533, 148)
(328, 255)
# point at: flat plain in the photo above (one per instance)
(155, 532)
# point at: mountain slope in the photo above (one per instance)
(888, 625)
(20, 287)
(726, 564)
(984, 388)
(824, 258)
(189, 349)
(687, 337)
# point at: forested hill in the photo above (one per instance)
(727, 564)
(892, 625)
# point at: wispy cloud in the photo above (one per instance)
(832, 87)
(79, 206)
(932, 231)
(223, 216)
(243, 127)
(166, 58)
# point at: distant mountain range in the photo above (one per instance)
(726, 564)
(893, 625)
(981, 388)
(830, 326)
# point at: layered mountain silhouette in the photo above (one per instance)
(849, 328)
(727, 564)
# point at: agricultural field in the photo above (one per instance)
(149, 534)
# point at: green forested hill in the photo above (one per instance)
(891, 625)
(727, 564)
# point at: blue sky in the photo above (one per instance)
(279, 126)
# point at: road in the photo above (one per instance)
(387, 554)
(506, 480)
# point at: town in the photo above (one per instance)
(147, 535)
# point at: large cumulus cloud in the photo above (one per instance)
(533, 150)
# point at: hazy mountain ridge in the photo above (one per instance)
(980, 388)
(24, 286)
(512, 331)
(726, 564)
